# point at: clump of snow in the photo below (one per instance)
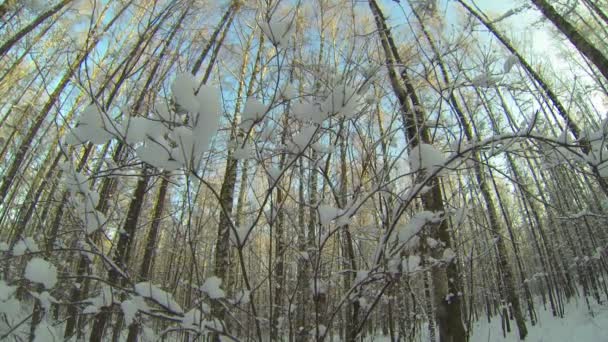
(41, 271)
(241, 297)
(484, 80)
(93, 126)
(361, 276)
(322, 330)
(246, 152)
(306, 111)
(278, 30)
(10, 307)
(83, 199)
(448, 255)
(25, 245)
(156, 152)
(192, 319)
(45, 299)
(20, 248)
(148, 290)
(509, 63)
(211, 287)
(31, 244)
(425, 156)
(415, 224)
(254, 111)
(328, 213)
(45, 333)
(6, 291)
(432, 243)
(302, 139)
(412, 263)
(194, 141)
(136, 129)
(183, 88)
(169, 150)
(131, 306)
(343, 101)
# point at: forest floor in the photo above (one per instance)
(578, 325)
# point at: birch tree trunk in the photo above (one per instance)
(448, 311)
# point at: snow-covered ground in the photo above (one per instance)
(579, 325)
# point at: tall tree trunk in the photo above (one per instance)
(348, 251)
(213, 39)
(147, 261)
(122, 252)
(576, 38)
(483, 184)
(448, 311)
(222, 263)
(303, 263)
(280, 247)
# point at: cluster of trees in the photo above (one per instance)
(297, 170)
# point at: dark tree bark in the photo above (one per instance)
(122, 253)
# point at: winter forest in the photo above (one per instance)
(303, 170)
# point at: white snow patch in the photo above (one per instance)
(45, 333)
(509, 63)
(302, 139)
(212, 288)
(425, 156)
(148, 290)
(328, 213)
(278, 30)
(6, 291)
(578, 325)
(448, 255)
(41, 271)
(130, 307)
(415, 224)
(412, 263)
